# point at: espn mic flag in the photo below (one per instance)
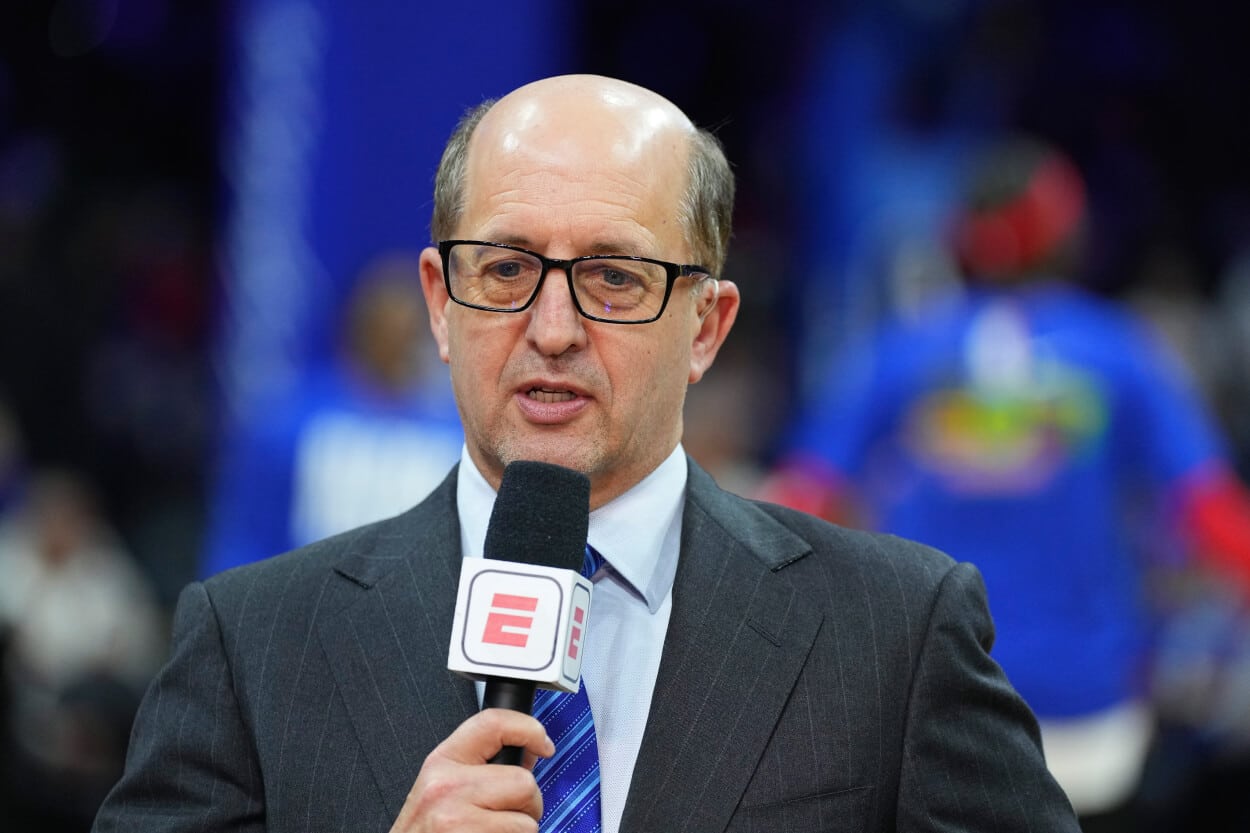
(521, 611)
(520, 621)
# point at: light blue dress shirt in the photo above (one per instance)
(639, 533)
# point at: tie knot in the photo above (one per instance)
(592, 562)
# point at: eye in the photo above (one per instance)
(618, 278)
(616, 275)
(504, 268)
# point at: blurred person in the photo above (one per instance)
(1200, 670)
(751, 667)
(364, 439)
(83, 637)
(1201, 679)
(1050, 438)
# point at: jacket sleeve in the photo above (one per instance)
(972, 757)
(191, 763)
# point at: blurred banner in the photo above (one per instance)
(335, 117)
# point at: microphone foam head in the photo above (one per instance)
(540, 516)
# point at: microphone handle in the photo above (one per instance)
(518, 695)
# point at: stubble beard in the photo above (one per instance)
(584, 453)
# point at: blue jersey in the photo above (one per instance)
(332, 455)
(1016, 430)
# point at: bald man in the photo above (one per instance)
(748, 667)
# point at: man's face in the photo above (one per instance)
(547, 384)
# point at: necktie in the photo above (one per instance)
(569, 780)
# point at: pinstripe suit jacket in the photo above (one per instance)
(813, 679)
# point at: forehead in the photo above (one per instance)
(568, 170)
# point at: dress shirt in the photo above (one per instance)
(639, 535)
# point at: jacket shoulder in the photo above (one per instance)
(790, 541)
(830, 540)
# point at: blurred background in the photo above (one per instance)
(211, 350)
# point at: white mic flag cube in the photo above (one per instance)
(521, 622)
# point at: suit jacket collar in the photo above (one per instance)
(737, 638)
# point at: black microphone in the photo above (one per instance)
(539, 520)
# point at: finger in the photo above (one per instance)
(499, 822)
(529, 759)
(452, 796)
(467, 818)
(513, 788)
(478, 739)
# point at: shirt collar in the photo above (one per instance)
(637, 532)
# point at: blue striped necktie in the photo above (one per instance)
(569, 780)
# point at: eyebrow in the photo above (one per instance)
(603, 246)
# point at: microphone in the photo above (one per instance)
(521, 610)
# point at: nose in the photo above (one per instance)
(555, 325)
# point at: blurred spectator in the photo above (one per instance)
(83, 634)
(1049, 437)
(366, 438)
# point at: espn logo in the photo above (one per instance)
(527, 622)
(507, 623)
(575, 633)
(511, 620)
(571, 667)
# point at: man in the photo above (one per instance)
(781, 674)
(1046, 435)
(359, 438)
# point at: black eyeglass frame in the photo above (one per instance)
(672, 270)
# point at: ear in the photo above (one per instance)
(437, 300)
(717, 308)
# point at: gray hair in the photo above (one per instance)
(452, 171)
(706, 207)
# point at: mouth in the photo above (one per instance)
(550, 396)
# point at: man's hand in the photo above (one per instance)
(457, 790)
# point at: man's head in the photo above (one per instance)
(1023, 213)
(707, 204)
(568, 167)
(384, 321)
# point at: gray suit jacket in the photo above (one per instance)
(813, 679)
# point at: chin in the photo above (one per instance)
(557, 451)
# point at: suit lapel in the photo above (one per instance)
(737, 638)
(387, 645)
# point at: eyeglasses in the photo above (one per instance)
(620, 289)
